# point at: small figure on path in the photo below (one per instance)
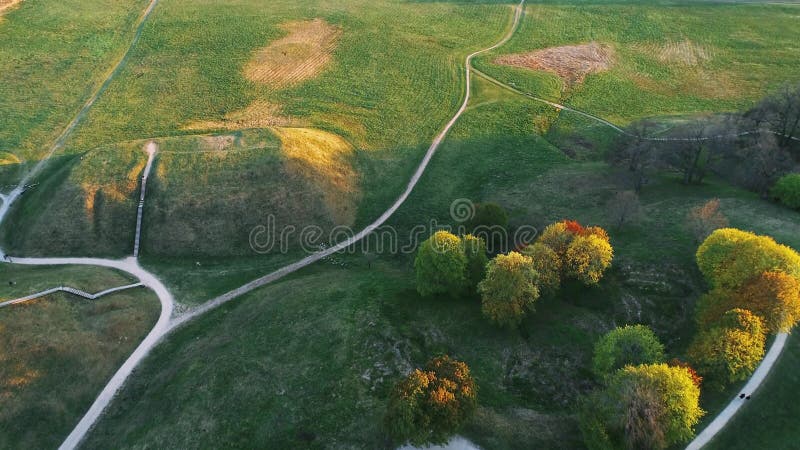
(747, 398)
(741, 395)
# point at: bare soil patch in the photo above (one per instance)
(572, 63)
(6, 5)
(297, 57)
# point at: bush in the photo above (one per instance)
(787, 190)
(623, 346)
(509, 289)
(651, 406)
(429, 406)
(475, 252)
(488, 215)
(547, 265)
(441, 265)
(730, 351)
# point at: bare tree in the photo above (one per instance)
(624, 207)
(636, 156)
(781, 113)
(704, 219)
(762, 162)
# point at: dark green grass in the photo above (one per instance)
(57, 353)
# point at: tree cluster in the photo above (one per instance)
(755, 291)
(449, 265)
(753, 149)
(645, 403)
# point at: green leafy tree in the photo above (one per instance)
(787, 190)
(652, 406)
(509, 289)
(475, 251)
(624, 346)
(547, 265)
(441, 265)
(731, 350)
(430, 405)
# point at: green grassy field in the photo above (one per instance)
(308, 362)
(57, 353)
(668, 59)
(54, 54)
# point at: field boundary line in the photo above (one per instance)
(70, 290)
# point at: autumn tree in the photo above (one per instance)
(731, 350)
(430, 405)
(624, 207)
(652, 406)
(588, 257)
(787, 190)
(585, 252)
(509, 289)
(547, 265)
(773, 296)
(441, 265)
(729, 257)
(704, 219)
(623, 346)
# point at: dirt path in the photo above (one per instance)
(151, 148)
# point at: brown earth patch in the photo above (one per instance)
(6, 5)
(322, 159)
(572, 63)
(297, 57)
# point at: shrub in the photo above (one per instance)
(547, 265)
(623, 346)
(509, 289)
(703, 220)
(787, 190)
(475, 252)
(652, 406)
(730, 351)
(441, 265)
(429, 406)
(588, 257)
(488, 215)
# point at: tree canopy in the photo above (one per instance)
(430, 405)
(509, 289)
(624, 346)
(441, 265)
